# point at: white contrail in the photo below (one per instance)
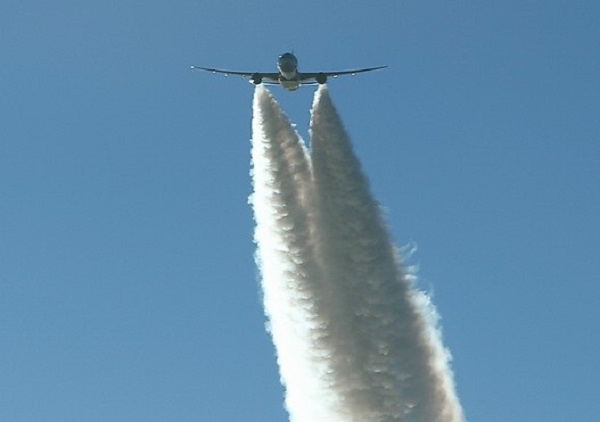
(282, 202)
(355, 341)
(388, 363)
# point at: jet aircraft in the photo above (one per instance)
(288, 76)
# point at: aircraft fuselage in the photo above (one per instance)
(288, 71)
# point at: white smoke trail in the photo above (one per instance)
(356, 342)
(282, 202)
(387, 360)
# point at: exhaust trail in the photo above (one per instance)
(387, 360)
(283, 200)
(355, 340)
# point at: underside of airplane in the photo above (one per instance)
(288, 76)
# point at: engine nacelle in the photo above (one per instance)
(256, 78)
(321, 78)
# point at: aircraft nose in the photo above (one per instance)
(287, 63)
(286, 67)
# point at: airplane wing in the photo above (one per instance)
(271, 76)
(324, 75)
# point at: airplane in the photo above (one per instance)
(288, 76)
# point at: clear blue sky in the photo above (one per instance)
(128, 290)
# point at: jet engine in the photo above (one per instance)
(256, 78)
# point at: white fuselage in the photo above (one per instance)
(288, 70)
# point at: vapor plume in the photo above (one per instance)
(282, 202)
(355, 340)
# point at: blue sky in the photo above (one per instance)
(128, 290)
